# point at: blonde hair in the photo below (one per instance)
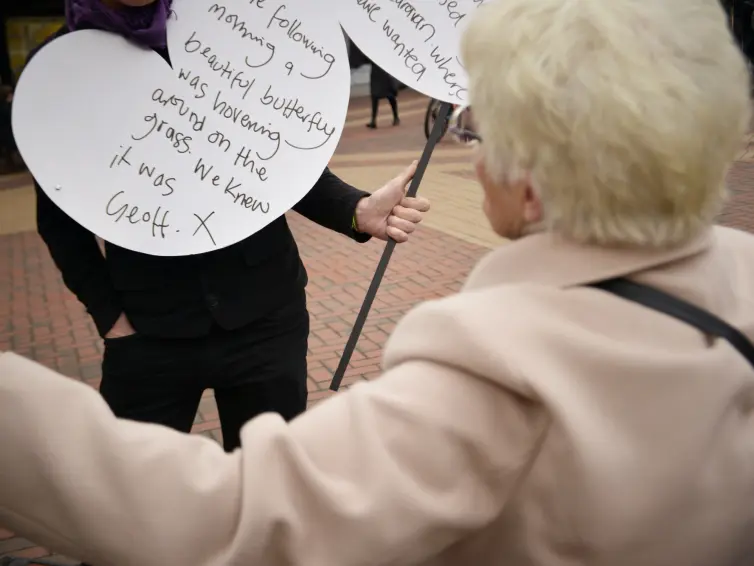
(625, 113)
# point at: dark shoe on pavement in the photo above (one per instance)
(372, 126)
(397, 122)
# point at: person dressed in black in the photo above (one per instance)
(382, 85)
(233, 320)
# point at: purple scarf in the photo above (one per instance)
(146, 26)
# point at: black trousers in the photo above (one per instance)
(257, 369)
(376, 106)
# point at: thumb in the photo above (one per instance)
(406, 176)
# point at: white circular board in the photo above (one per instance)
(183, 161)
(417, 42)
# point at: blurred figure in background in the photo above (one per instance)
(382, 85)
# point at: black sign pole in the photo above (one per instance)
(434, 137)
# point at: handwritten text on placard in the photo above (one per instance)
(415, 41)
(200, 156)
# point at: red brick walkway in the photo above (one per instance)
(40, 319)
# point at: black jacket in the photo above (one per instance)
(183, 297)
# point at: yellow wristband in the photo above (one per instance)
(353, 224)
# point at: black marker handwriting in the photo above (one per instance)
(410, 59)
(197, 121)
(370, 7)
(159, 180)
(248, 63)
(220, 140)
(231, 189)
(195, 82)
(451, 7)
(203, 224)
(236, 78)
(293, 33)
(246, 161)
(239, 26)
(419, 69)
(132, 215)
(181, 142)
(205, 171)
(413, 15)
(293, 108)
(449, 77)
(246, 121)
(120, 159)
(242, 199)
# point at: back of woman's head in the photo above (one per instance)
(625, 114)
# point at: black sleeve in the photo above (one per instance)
(332, 204)
(78, 257)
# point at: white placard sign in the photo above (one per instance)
(416, 41)
(191, 159)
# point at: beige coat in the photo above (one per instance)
(524, 421)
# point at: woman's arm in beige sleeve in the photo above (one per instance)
(387, 473)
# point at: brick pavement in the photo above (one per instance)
(39, 318)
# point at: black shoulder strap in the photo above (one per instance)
(662, 302)
(10, 561)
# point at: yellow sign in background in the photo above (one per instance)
(24, 34)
